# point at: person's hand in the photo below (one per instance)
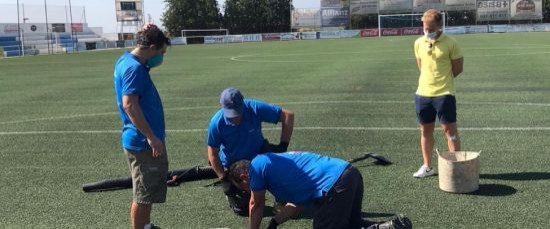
(225, 176)
(156, 146)
(173, 181)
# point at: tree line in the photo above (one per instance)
(260, 16)
(239, 16)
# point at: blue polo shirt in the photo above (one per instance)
(295, 177)
(243, 141)
(132, 78)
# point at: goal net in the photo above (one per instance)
(196, 36)
(402, 24)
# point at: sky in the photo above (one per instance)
(99, 13)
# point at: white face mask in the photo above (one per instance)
(431, 35)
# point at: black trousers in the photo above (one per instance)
(340, 208)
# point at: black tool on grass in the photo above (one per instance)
(177, 177)
(174, 178)
(378, 159)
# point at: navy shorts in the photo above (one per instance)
(442, 106)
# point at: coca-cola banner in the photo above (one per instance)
(412, 31)
(460, 5)
(363, 7)
(369, 32)
(493, 10)
(391, 32)
(402, 31)
(526, 9)
(395, 6)
(420, 6)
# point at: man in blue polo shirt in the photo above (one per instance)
(143, 128)
(331, 185)
(235, 133)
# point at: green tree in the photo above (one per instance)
(257, 16)
(191, 14)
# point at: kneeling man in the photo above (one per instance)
(332, 185)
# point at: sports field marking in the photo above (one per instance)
(98, 114)
(282, 103)
(306, 128)
(243, 58)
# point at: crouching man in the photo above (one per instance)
(332, 185)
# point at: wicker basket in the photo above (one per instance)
(458, 171)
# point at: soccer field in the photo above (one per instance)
(59, 129)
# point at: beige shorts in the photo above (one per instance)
(148, 176)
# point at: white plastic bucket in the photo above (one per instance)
(458, 171)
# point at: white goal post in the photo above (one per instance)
(208, 32)
(403, 21)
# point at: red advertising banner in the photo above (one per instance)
(77, 27)
(391, 32)
(369, 32)
(412, 31)
(11, 28)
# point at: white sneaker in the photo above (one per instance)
(424, 171)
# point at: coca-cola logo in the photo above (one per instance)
(390, 32)
(412, 31)
(525, 6)
(369, 32)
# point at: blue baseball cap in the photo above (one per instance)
(231, 100)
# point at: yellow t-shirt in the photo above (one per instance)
(436, 73)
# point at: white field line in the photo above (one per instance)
(283, 103)
(277, 129)
(243, 58)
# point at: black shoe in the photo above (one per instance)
(153, 226)
(401, 222)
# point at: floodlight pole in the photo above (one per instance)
(22, 32)
(75, 46)
(47, 28)
(19, 31)
(85, 21)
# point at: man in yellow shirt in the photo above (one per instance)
(440, 61)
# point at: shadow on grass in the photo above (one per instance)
(375, 215)
(494, 190)
(525, 176)
(309, 212)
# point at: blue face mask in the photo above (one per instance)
(155, 61)
(431, 35)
